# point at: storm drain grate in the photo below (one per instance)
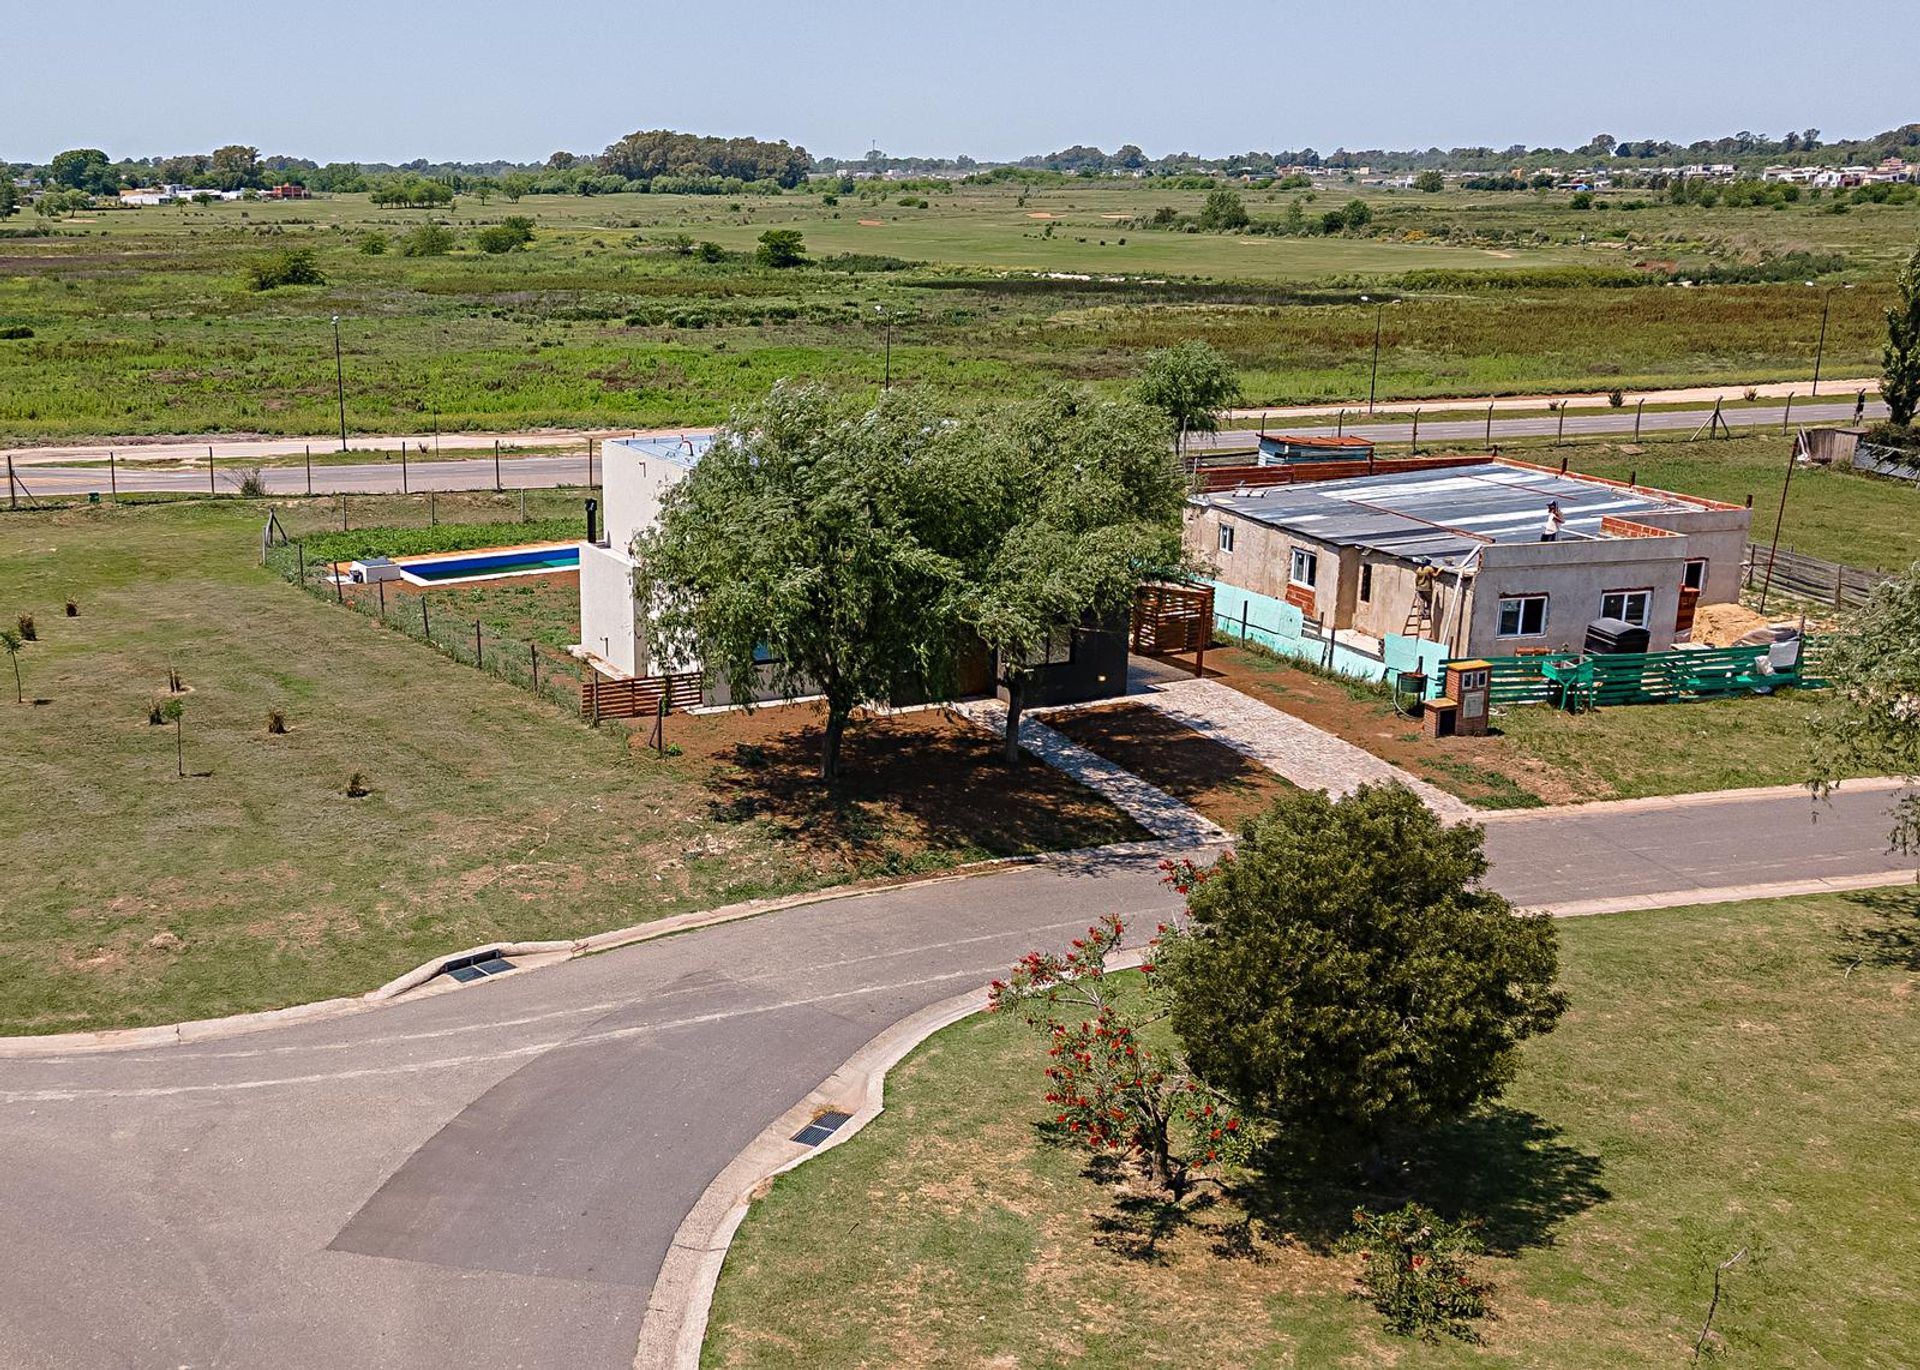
(820, 1128)
(476, 967)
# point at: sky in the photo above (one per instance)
(391, 80)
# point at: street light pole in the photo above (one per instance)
(1373, 381)
(340, 382)
(1820, 352)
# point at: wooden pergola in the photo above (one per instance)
(1170, 618)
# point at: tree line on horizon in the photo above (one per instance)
(663, 159)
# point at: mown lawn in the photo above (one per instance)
(135, 896)
(1729, 1077)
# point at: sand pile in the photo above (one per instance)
(1723, 625)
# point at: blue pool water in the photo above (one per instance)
(471, 565)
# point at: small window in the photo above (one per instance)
(1055, 649)
(1694, 577)
(1226, 537)
(1633, 606)
(1366, 582)
(1523, 616)
(1303, 568)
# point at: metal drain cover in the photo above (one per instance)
(821, 1128)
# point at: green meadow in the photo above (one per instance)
(142, 320)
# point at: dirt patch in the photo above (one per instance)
(873, 223)
(916, 791)
(1486, 771)
(1215, 779)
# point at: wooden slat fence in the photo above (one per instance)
(1171, 618)
(1805, 577)
(1578, 682)
(638, 697)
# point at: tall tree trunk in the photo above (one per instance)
(1016, 705)
(830, 749)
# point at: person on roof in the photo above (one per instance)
(1551, 529)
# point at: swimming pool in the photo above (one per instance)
(534, 559)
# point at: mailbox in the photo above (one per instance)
(1469, 685)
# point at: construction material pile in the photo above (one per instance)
(1725, 625)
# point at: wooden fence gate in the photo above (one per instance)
(639, 696)
(1169, 618)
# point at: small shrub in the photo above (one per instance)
(16, 330)
(373, 245)
(1616, 398)
(156, 714)
(505, 236)
(294, 266)
(357, 786)
(1414, 1267)
(73, 607)
(428, 240)
(710, 252)
(28, 633)
(276, 721)
(1750, 394)
(252, 483)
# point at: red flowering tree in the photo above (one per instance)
(1108, 1087)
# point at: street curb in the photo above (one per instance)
(240, 1024)
(1691, 800)
(674, 1326)
(1728, 894)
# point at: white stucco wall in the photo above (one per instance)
(610, 626)
(1573, 574)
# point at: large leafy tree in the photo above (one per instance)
(1190, 383)
(809, 534)
(1345, 976)
(1063, 511)
(1868, 723)
(1900, 374)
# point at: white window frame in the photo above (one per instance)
(1301, 559)
(1226, 537)
(1693, 575)
(1626, 598)
(1520, 628)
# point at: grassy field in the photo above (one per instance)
(1538, 755)
(1729, 1077)
(143, 322)
(134, 896)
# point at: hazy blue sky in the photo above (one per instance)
(389, 80)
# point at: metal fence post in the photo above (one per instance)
(426, 629)
(403, 468)
(210, 488)
(1489, 424)
(382, 587)
(113, 477)
(497, 486)
(478, 659)
(1786, 413)
(533, 656)
(309, 468)
(1637, 409)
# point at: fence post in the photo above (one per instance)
(426, 629)
(1489, 424)
(433, 513)
(533, 656)
(478, 659)
(497, 487)
(113, 477)
(309, 468)
(1243, 618)
(381, 586)
(403, 468)
(1340, 424)
(1413, 447)
(1636, 417)
(210, 489)
(1786, 413)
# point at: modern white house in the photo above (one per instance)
(635, 475)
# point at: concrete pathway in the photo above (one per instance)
(1152, 808)
(1291, 747)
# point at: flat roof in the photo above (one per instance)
(682, 449)
(1441, 515)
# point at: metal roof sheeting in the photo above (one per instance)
(1441, 515)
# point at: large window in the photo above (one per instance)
(1226, 537)
(1634, 606)
(1303, 568)
(1055, 649)
(1523, 616)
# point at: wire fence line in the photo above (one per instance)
(533, 666)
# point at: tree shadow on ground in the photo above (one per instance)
(909, 785)
(1889, 937)
(1506, 1169)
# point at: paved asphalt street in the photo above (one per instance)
(536, 472)
(491, 1177)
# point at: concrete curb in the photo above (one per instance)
(674, 1327)
(240, 1024)
(1729, 894)
(1691, 800)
